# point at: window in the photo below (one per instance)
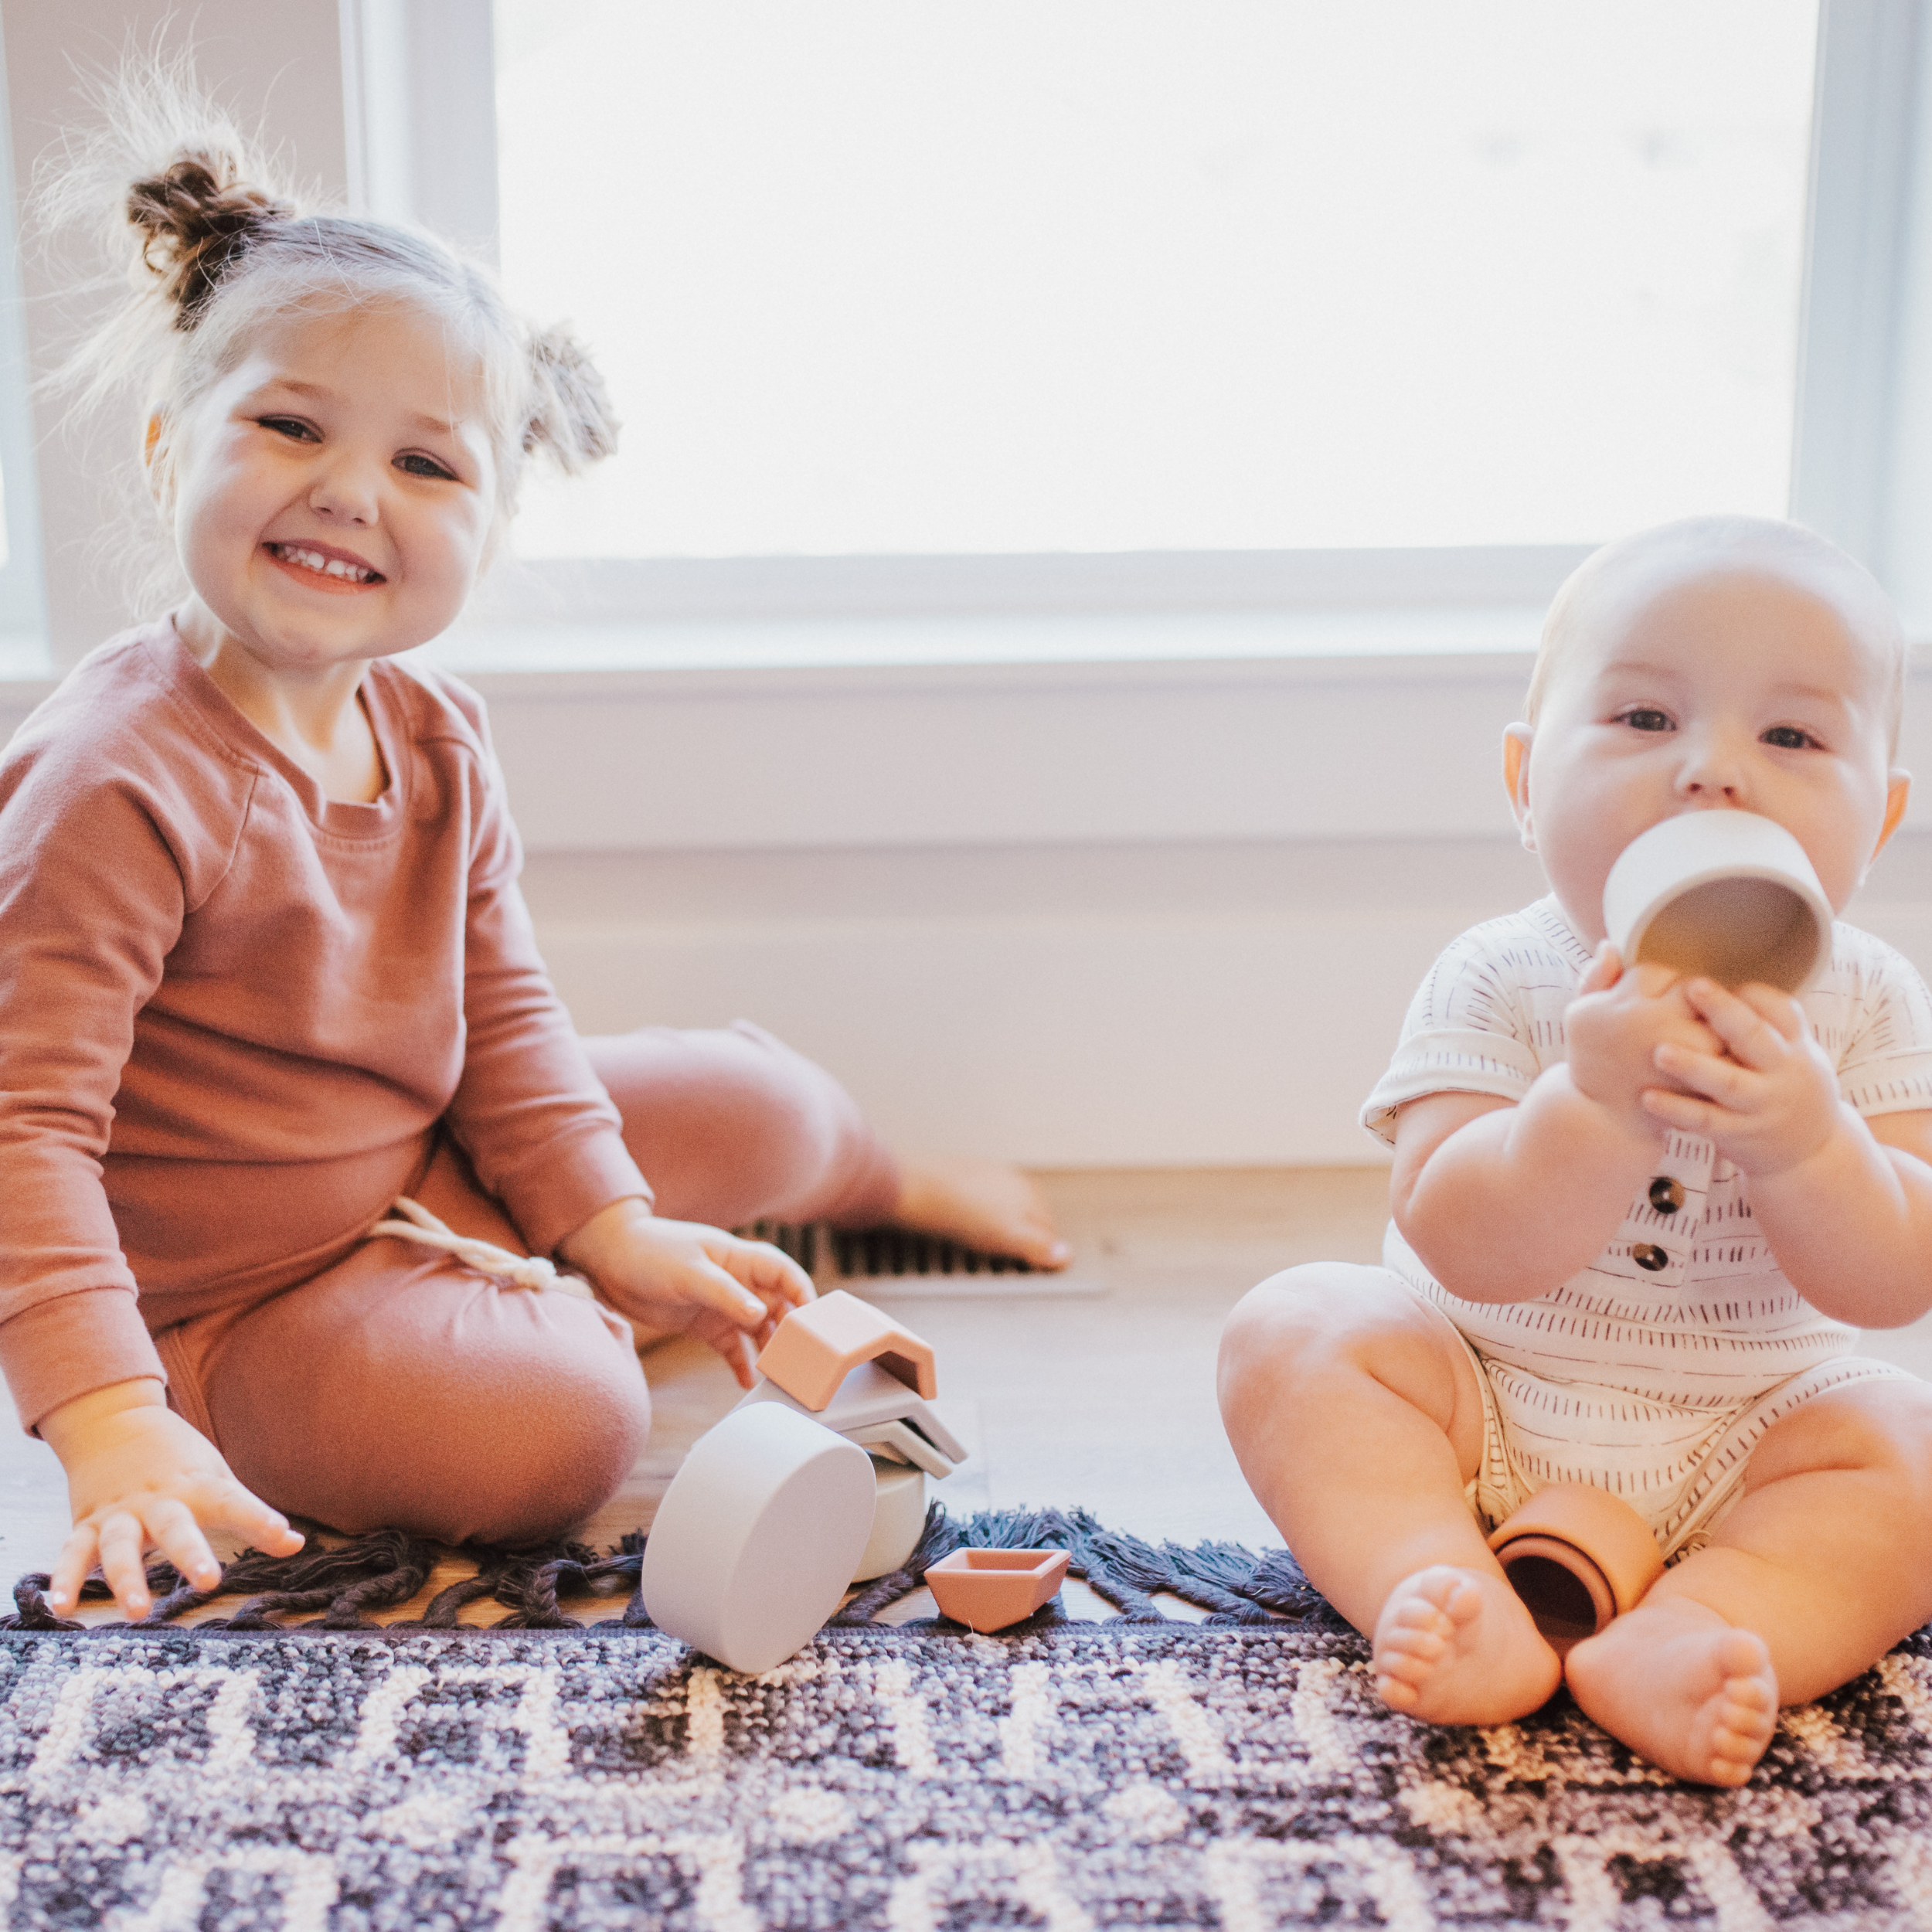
(880, 277)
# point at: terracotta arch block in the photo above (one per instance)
(816, 1347)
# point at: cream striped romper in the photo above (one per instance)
(1656, 1371)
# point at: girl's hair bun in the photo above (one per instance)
(571, 419)
(194, 218)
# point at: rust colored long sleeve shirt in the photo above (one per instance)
(234, 1012)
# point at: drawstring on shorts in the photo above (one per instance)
(532, 1272)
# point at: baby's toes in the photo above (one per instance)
(1742, 1717)
(1746, 1722)
(1410, 1652)
(1397, 1692)
(1444, 1597)
(1415, 1631)
(1732, 1760)
(1742, 1657)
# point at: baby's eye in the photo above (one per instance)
(414, 463)
(1644, 718)
(1789, 738)
(291, 427)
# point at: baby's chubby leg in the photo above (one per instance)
(1357, 1420)
(1815, 1574)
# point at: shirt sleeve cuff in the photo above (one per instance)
(71, 1345)
(552, 1199)
(1464, 1062)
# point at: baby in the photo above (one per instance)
(1638, 1220)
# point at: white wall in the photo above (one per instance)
(1079, 989)
(1073, 1005)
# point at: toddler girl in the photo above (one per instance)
(264, 968)
(1637, 1220)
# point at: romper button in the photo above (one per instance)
(1666, 1194)
(1646, 1254)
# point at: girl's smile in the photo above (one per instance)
(337, 570)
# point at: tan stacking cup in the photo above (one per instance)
(1726, 894)
(1577, 1557)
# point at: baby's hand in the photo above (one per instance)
(1773, 1102)
(138, 1476)
(1615, 1028)
(681, 1278)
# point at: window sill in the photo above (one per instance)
(997, 733)
(1373, 644)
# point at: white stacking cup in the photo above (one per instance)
(758, 1537)
(1726, 894)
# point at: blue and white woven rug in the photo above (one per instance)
(1136, 1773)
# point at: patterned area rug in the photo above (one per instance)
(919, 1779)
(1075, 1776)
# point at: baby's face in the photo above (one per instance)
(1750, 686)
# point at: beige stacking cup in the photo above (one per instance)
(758, 1539)
(1726, 894)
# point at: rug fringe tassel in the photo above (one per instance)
(347, 1581)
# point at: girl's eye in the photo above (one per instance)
(291, 427)
(1643, 718)
(413, 463)
(1789, 738)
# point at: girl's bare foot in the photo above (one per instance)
(985, 1204)
(1457, 1647)
(1695, 1695)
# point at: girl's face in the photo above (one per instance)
(334, 494)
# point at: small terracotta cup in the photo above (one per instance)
(1727, 894)
(1577, 1557)
(989, 1589)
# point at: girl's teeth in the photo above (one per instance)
(328, 565)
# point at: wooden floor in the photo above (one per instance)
(1104, 1400)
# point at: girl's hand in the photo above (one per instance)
(138, 1476)
(681, 1278)
(1769, 1099)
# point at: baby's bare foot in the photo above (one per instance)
(985, 1204)
(1695, 1695)
(1457, 1647)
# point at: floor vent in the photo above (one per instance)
(882, 1263)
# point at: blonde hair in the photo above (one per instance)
(212, 245)
(1715, 542)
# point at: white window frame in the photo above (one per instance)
(1868, 244)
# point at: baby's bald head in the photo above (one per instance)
(1611, 583)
